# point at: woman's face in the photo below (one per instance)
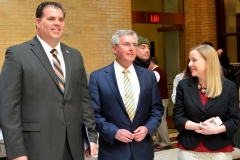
(197, 64)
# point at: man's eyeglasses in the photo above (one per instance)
(129, 45)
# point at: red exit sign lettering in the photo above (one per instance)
(155, 18)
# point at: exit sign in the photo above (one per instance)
(154, 18)
(158, 18)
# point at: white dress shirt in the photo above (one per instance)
(48, 49)
(133, 78)
(1, 136)
(157, 75)
(175, 83)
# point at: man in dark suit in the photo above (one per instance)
(44, 95)
(125, 130)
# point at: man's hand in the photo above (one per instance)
(21, 158)
(124, 136)
(219, 52)
(140, 133)
(93, 148)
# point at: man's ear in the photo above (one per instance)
(114, 49)
(37, 22)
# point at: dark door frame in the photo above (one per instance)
(221, 28)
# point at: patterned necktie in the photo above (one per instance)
(58, 69)
(128, 95)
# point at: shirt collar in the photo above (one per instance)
(154, 67)
(119, 69)
(48, 48)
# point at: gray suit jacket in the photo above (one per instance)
(35, 116)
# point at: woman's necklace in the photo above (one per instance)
(202, 90)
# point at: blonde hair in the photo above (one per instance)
(213, 70)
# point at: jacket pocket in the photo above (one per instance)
(31, 127)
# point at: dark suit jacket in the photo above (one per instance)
(189, 106)
(36, 117)
(111, 115)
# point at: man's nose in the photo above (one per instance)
(132, 47)
(56, 22)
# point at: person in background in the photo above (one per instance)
(185, 74)
(223, 58)
(162, 140)
(44, 95)
(206, 109)
(143, 52)
(126, 102)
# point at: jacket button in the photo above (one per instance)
(63, 102)
(63, 123)
(203, 116)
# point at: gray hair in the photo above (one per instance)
(115, 38)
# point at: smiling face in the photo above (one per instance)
(125, 50)
(143, 52)
(197, 64)
(50, 26)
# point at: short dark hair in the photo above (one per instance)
(154, 60)
(40, 8)
(208, 43)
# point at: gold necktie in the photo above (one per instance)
(58, 69)
(128, 95)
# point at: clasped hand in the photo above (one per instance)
(126, 136)
(207, 127)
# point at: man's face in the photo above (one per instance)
(51, 25)
(125, 51)
(143, 52)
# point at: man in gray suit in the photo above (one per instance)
(44, 95)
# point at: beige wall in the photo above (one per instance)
(149, 5)
(89, 26)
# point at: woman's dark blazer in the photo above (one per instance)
(189, 106)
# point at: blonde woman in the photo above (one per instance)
(206, 109)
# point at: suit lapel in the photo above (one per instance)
(193, 93)
(40, 53)
(67, 60)
(112, 82)
(140, 76)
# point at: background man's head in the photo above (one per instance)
(208, 43)
(153, 62)
(143, 49)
